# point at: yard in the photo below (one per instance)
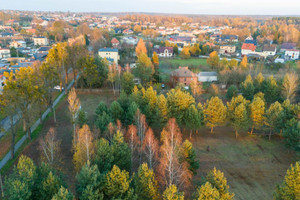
(252, 165)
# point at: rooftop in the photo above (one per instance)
(108, 50)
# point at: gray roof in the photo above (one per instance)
(108, 50)
(207, 74)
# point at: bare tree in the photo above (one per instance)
(74, 106)
(290, 85)
(170, 169)
(150, 148)
(133, 142)
(141, 124)
(50, 148)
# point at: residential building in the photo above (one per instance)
(182, 41)
(207, 77)
(250, 40)
(286, 46)
(6, 35)
(164, 51)
(115, 43)
(270, 50)
(248, 48)
(4, 53)
(112, 55)
(184, 76)
(40, 41)
(128, 32)
(18, 44)
(291, 54)
(227, 49)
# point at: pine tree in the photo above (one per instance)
(63, 194)
(247, 88)
(258, 83)
(189, 155)
(290, 187)
(192, 119)
(214, 112)
(272, 116)
(207, 192)
(146, 186)
(127, 82)
(217, 180)
(171, 193)
(116, 111)
(271, 90)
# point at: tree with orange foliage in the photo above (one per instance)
(170, 169)
(140, 120)
(133, 142)
(140, 48)
(84, 147)
(150, 148)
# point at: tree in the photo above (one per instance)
(291, 134)
(258, 83)
(150, 148)
(244, 63)
(196, 89)
(127, 82)
(117, 185)
(207, 192)
(137, 29)
(162, 106)
(233, 63)
(171, 170)
(189, 155)
(144, 69)
(112, 76)
(272, 116)
(217, 180)
(133, 142)
(237, 113)
(231, 92)
(74, 106)
(63, 194)
(50, 186)
(146, 186)
(116, 110)
(82, 118)
(140, 48)
(289, 86)
(103, 120)
(185, 53)
(290, 187)
(175, 49)
(257, 113)
(104, 156)
(50, 148)
(84, 147)
(155, 59)
(214, 112)
(195, 50)
(213, 59)
(247, 88)
(171, 193)
(271, 90)
(192, 119)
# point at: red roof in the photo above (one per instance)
(114, 41)
(248, 46)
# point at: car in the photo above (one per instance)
(162, 85)
(58, 88)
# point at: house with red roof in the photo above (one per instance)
(115, 43)
(248, 48)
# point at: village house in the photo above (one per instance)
(184, 76)
(286, 46)
(227, 49)
(112, 55)
(18, 44)
(250, 40)
(182, 41)
(207, 77)
(40, 41)
(165, 52)
(270, 50)
(4, 53)
(128, 32)
(291, 54)
(6, 35)
(115, 43)
(248, 48)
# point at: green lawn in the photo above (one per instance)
(187, 62)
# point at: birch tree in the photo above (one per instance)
(150, 148)
(74, 106)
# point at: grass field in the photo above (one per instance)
(252, 164)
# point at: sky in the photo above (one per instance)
(219, 7)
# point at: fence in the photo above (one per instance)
(7, 157)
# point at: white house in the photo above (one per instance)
(164, 51)
(18, 44)
(207, 76)
(4, 53)
(40, 41)
(292, 54)
(112, 55)
(270, 50)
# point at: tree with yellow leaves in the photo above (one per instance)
(84, 147)
(244, 63)
(185, 53)
(144, 69)
(290, 85)
(214, 113)
(207, 192)
(140, 48)
(155, 59)
(196, 89)
(162, 105)
(257, 112)
(213, 59)
(74, 106)
(273, 115)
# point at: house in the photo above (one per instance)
(18, 44)
(4, 53)
(6, 35)
(128, 32)
(184, 76)
(250, 40)
(227, 49)
(112, 55)
(207, 76)
(248, 48)
(115, 43)
(224, 38)
(182, 41)
(40, 41)
(286, 46)
(270, 50)
(43, 49)
(164, 51)
(291, 54)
